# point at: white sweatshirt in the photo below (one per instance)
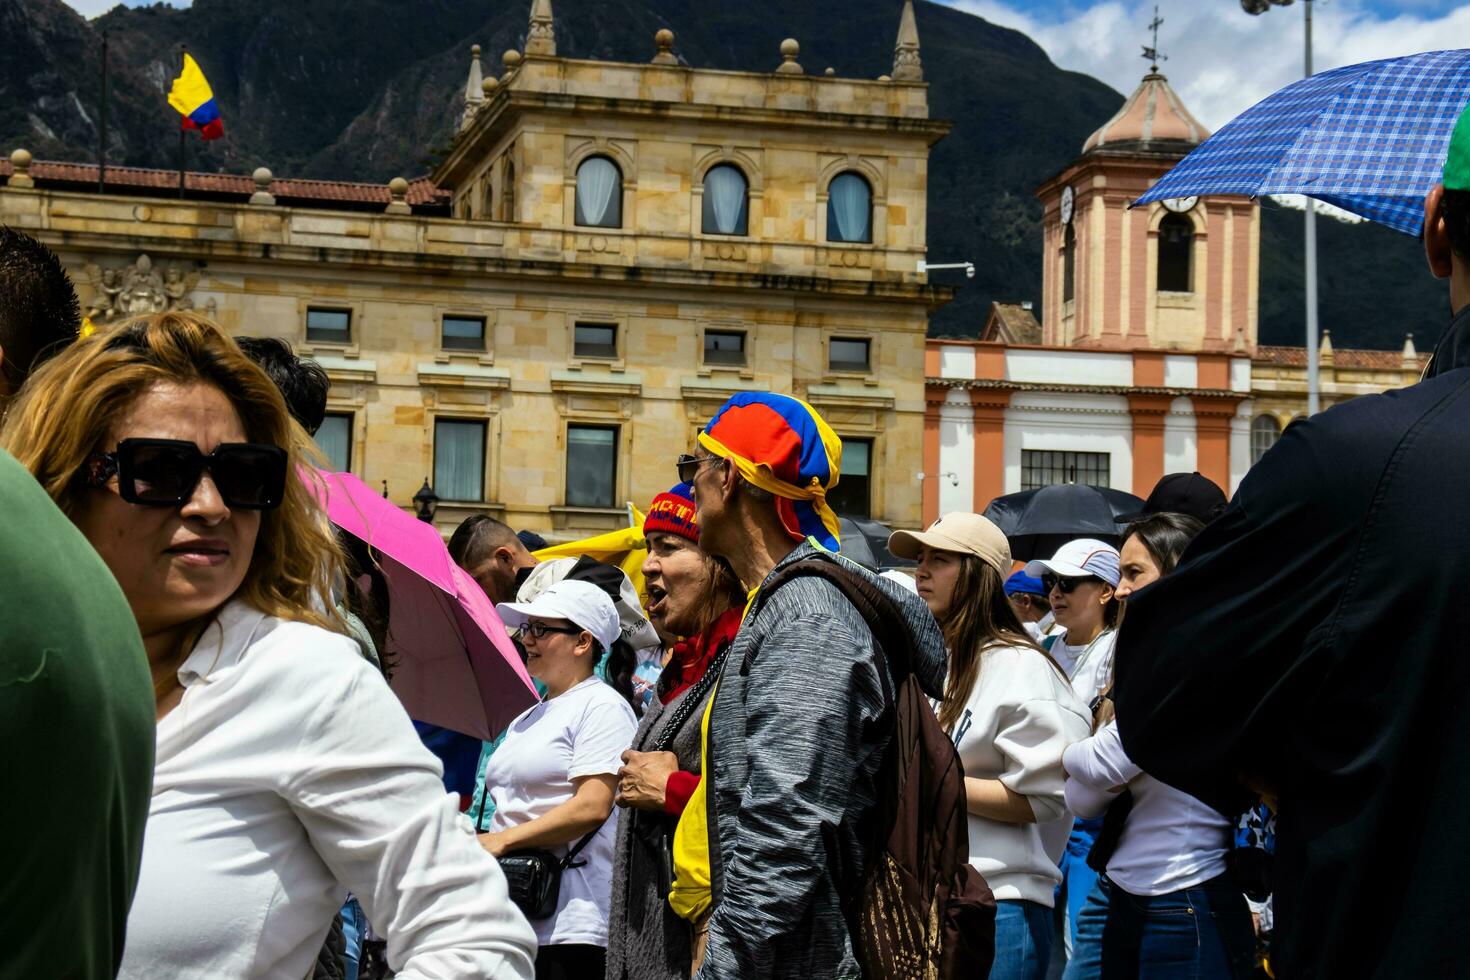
(1019, 717)
(1171, 841)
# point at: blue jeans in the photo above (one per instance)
(1022, 940)
(1201, 933)
(1085, 961)
(354, 924)
(1077, 878)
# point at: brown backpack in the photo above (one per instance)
(924, 912)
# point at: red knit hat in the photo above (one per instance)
(673, 513)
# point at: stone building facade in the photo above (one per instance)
(607, 253)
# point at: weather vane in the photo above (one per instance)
(1152, 53)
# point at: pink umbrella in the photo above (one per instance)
(456, 666)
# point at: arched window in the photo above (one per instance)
(487, 209)
(725, 201)
(1069, 263)
(1176, 252)
(599, 193)
(508, 192)
(1265, 430)
(849, 209)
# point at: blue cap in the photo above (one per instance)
(1024, 584)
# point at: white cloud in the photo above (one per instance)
(1221, 60)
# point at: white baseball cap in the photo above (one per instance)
(1076, 559)
(582, 603)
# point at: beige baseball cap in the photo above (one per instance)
(965, 534)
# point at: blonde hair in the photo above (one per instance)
(70, 405)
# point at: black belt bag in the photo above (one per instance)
(534, 876)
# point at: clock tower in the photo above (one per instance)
(1173, 276)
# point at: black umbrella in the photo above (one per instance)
(866, 542)
(1038, 522)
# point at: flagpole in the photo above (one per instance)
(182, 49)
(102, 123)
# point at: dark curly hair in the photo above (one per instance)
(39, 313)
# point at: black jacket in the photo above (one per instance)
(1316, 638)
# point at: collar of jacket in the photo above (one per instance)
(1454, 347)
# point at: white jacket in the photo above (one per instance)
(1020, 716)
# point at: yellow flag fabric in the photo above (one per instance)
(625, 548)
(190, 90)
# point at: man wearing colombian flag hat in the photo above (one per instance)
(1313, 640)
(769, 846)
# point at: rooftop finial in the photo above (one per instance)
(906, 64)
(664, 40)
(541, 35)
(473, 95)
(1410, 354)
(1152, 52)
(789, 52)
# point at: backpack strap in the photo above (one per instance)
(570, 860)
(879, 612)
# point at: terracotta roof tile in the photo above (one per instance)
(1343, 357)
(421, 190)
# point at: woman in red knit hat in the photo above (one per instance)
(693, 596)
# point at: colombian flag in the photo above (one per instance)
(194, 99)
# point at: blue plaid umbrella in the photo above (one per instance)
(1369, 138)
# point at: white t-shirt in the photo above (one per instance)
(1019, 717)
(1089, 665)
(1171, 841)
(582, 732)
(288, 775)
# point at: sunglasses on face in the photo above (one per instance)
(1064, 585)
(540, 631)
(689, 466)
(164, 472)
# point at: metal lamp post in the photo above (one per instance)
(1313, 399)
(425, 502)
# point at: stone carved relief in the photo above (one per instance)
(139, 288)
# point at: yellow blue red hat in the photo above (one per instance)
(781, 445)
(673, 513)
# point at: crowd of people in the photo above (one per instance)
(212, 777)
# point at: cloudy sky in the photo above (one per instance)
(1220, 59)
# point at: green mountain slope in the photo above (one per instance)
(366, 89)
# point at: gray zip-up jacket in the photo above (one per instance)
(795, 745)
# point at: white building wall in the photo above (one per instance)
(957, 362)
(1070, 422)
(956, 474)
(1069, 367)
(1240, 443)
(1181, 371)
(1181, 448)
(1240, 374)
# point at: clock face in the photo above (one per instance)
(1179, 205)
(1068, 196)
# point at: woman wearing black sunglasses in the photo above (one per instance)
(286, 772)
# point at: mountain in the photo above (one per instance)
(370, 89)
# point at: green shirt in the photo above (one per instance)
(76, 720)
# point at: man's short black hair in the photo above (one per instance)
(1455, 206)
(303, 384)
(39, 313)
(476, 537)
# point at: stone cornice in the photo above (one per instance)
(1214, 393)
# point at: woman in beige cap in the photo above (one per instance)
(1011, 712)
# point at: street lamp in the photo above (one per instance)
(426, 501)
(969, 267)
(1256, 7)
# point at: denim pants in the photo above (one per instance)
(1085, 961)
(1022, 940)
(1077, 878)
(1201, 933)
(354, 924)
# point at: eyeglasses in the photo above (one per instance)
(164, 472)
(539, 631)
(1063, 584)
(689, 466)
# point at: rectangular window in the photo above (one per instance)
(334, 439)
(328, 326)
(592, 466)
(463, 333)
(1046, 467)
(848, 354)
(459, 459)
(595, 340)
(724, 347)
(852, 495)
